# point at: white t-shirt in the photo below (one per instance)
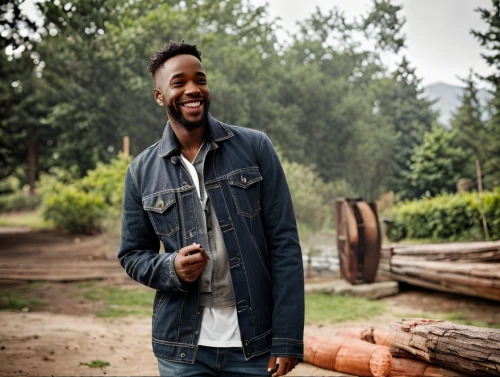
(219, 327)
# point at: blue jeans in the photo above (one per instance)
(217, 362)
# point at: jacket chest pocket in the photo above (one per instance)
(162, 210)
(245, 190)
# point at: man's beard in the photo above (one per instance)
(177, 115)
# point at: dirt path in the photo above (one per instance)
(61, 335)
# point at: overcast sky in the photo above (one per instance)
(439, 42)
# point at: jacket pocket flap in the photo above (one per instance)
(159, 202)
(244, 178)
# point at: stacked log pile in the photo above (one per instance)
(414, 348)
(470, 268)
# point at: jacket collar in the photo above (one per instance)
(216, 131)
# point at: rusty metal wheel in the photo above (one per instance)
(371, 241)
(347, 240)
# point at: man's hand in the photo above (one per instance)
(190, 262)
(281, 365)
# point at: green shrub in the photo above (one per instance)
(313, 199)
(19, 201)
(82, 205)
(447, 217)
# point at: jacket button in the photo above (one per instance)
(183, 354)
(196, 332)
(159, 204)
(247, 342)
(243, 179)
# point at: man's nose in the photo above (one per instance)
(192, 88)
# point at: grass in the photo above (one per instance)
(323, 308)
(31, 219)
(13, 301)
(97, 364)
(120, 302)
(455, 317)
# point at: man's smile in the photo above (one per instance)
(192, 106)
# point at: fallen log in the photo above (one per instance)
(348, 355)
(474, 351)
(402, 367)
(467, 251)
(445, 286)
(372, 335)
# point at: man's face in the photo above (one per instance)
(182, 89)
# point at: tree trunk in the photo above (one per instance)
(32, 164)
(471, 350)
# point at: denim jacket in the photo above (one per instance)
(248, 190)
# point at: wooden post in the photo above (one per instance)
(480, 191)
(126, 145)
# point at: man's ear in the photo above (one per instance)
(158, 97)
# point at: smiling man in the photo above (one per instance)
(230, 285)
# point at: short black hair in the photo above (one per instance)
(170, 50)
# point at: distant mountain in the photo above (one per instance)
(448, 99)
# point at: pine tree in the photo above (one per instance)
(490, 39)
(468, 127)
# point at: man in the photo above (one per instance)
(230, 288)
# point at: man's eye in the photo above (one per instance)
(202, 82)
(177, 83)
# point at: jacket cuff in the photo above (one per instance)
(288, 348)
(173, 274)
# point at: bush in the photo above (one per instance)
(19, 201)
(447, 217)
(13, 197)
(82, 205)
(313, 199)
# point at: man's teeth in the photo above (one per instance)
(192, 104)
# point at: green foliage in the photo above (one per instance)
(14, 198)
(489, 39)
(313, 199)
(323, 97)
(19, 201)
(436, 164)
(81, 205)
(470, 132)
(447, 217)
(322, 308)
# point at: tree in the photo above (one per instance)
(436, 164)
(468, 127)
(490, 39)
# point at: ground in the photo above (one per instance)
(64, 311)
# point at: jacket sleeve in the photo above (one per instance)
(285, 256)
(139, 249)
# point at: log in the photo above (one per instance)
(402, 367)
(348, 355)
(443, 286)
(372, 335)
(469, 251)
(474, 351)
